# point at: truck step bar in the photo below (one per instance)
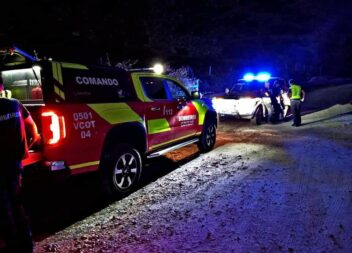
(164, 151)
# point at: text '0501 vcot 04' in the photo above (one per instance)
(106, 119)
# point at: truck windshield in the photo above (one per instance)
(253, 88)
(23, 84)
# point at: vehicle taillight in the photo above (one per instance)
(54, 128)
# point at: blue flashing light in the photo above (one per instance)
(28, 56)
(263, 76)
(249, 77)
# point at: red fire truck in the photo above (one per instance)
(106, 119)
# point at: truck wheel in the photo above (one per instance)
(122, 171)
(208, 137)
(258, 116)
(221, 117)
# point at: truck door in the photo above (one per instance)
(186, 116)
(159, 112)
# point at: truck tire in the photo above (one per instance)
(208, 137)
(121, 172)
(258, 117)
(221, 117)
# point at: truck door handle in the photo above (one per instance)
(154, 109)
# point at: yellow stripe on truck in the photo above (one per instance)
(74, 66)
(139, 89)
(115, 113)
(202, 109)
(82, 165)
(59, 92)
(57, 73)
(158, 126)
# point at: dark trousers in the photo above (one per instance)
(296, 111)
(14, 224)
(277, 109)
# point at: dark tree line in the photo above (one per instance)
(219, 39)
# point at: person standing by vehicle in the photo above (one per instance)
(276, 100)
(274, 92)
(15, 122)
(297, 96)
(227, 92)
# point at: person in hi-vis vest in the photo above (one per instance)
(297, 96)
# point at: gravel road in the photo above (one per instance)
(268, 188)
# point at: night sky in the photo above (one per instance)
(289, 38)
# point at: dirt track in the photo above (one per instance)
(272, 188)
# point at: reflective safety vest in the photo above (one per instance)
(296, 91)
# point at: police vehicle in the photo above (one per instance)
(105, 119)
(248, 99)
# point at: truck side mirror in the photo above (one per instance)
(195, 94)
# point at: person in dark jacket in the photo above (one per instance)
(16, 127)
(274, 92)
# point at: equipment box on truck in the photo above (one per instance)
(96, 118)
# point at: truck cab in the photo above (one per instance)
(105, 119)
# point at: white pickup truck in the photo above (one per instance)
(249, 100)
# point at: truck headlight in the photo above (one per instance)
(246, 105)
